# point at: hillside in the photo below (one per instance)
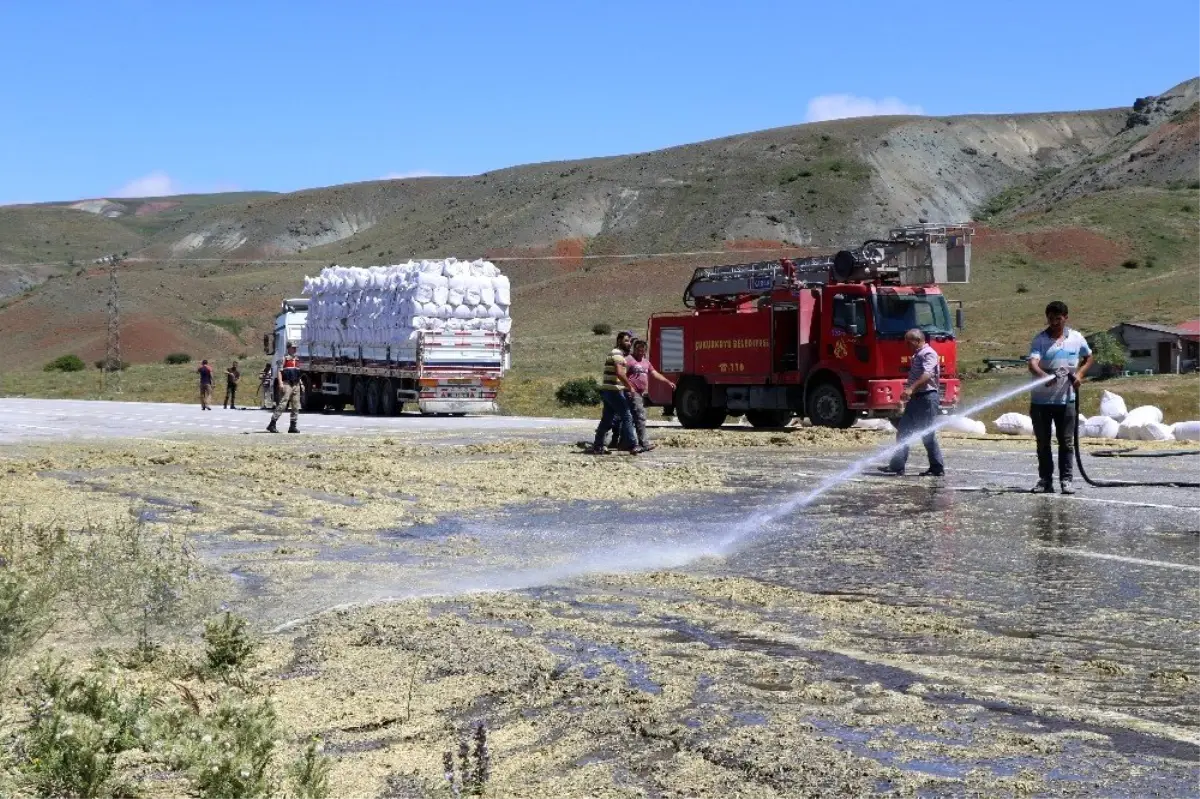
(1064, 216)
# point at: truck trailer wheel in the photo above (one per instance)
(387, 398)
(692, 404)
(769, 418)
(373, 404)
(826, 406)
(359, 397)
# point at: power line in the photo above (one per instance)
(498, 258)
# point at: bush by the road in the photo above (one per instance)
(580, 391)
(176, 358)
(602, 328)
(65, 363)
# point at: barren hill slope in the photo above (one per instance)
(197, 283)
(809, 184)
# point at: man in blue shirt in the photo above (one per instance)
(1063, 353)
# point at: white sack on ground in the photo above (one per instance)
(1150, 431)
(1014, 424)
(1143, 414)
(882, 425)
(1099, 427)
(1186, 431)
(1113, 406)
(965, 425)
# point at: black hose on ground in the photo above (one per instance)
(1118, 483)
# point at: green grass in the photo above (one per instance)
(234, 326)
(1002, 320)
(139, 383)
(1177, 395)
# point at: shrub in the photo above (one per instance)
(228, 645)
(65, 363)
(310, 774)
(1022, 288)
(1107, 351)
(176, 358)
(602, 329)
(580, 391)
(1130, 264)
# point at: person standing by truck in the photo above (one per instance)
(639, 371)
(921, 392)
(206, 389)
(1056, 351)
(612, 394)
(288, 381)
(232, 376)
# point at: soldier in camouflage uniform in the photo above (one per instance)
(289, 390)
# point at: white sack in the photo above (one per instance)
(1014, 424)
(1186, 431)
(504, 325)
(1113, 406)
(880, 425)
(963, 424)
(501, 286)
(1150, 431)
(1143, 414)
(1099, 427)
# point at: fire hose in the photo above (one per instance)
(1123, 483)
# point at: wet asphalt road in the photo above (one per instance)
(50, 420)
(1099, 592)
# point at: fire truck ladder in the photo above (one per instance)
(736, 280)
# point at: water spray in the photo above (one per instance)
(801, 499)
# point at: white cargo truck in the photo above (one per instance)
(381, 338)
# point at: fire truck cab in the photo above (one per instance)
(821, 337)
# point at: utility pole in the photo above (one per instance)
(112, 357)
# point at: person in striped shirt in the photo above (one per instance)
(616, 404)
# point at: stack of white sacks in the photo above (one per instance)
(381, 306)
(1144, 423)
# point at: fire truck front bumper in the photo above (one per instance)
(884, 395)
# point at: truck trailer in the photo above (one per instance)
(364, 358)
(821, 337)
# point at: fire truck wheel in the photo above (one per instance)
(387, 398)
(827, 406)
(692, 404)
(771, 418)
(360, 397)
(373, 404)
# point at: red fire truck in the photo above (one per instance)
(821, 337)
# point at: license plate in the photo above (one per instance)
(458, 393)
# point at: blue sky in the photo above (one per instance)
(147, 97)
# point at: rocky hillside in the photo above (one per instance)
(194, 283)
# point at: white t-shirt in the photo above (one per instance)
(1054, 353)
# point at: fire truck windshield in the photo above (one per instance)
(896, 314)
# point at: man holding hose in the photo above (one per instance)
(1056, 351)
(921, 393)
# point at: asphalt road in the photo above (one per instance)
(42, 420)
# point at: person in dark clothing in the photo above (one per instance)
(232, 376)
(206, 385)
